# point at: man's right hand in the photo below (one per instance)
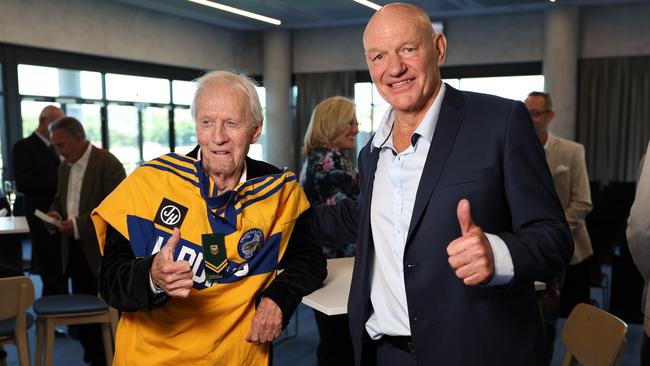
(173, 277)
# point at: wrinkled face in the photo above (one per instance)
(538, 112)
(224, 130)
(347, 138)
(403, 59)
(69, 147)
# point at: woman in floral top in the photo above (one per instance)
(327, 177)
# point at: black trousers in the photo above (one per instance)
(335, 346)
(84, 281)
(645, 350)
(575, 288)
(46, 258)
(389, 355)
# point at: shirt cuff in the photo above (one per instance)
(154, 288)
(504, 270)
(76, 229)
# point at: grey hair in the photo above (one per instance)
(548, 102)
(241, 83)
(70, 125)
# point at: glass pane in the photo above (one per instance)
(261, 93)
(137, 88)
(377, 99)
(155, 132)
(184, 131)
(363, 106)
(183, 91)
(53, 82)
(454, 83)
(90, 117)
(256, 151)
(38, 80)
(123, 135)
(30, 110)
(513, 87)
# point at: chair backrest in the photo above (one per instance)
(17, 297)
(593, 337)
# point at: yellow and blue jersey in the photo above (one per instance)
(256, 219)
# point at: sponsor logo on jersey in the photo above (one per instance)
(170, 214)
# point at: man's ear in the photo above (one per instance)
(551, 115)
(257, 132)
(440, 43)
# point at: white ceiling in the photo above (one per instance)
(296, 14)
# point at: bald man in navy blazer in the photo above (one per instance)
(457, 216)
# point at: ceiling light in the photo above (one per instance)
(230, 9)
(369, 4)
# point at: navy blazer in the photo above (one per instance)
(484, 149)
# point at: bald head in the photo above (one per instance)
(400, 12)
(404, 54)
(48, 115)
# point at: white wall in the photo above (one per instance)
(328, 49)
(472, 40)
(113, 29)
(605, 31)
(106, 28)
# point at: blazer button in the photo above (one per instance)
(411, 265)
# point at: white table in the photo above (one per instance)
(332, 298)
(13, 225)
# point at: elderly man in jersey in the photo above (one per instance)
(192, 244)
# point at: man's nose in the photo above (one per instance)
(395, 65)
(219, 135)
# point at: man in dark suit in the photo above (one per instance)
(456, 219)
(86, 177)
(35, 165)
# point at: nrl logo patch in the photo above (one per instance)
(170, 214)
(249, 243)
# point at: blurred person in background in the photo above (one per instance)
(35, 166)
(327, 177)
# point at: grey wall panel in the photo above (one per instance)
(111, 29)
(613, 31)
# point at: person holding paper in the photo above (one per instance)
(35, 166)
(192, 243)
(86, 177)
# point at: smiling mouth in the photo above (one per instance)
(401, 84)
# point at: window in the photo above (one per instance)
(370, 107)
(511, 87)
(137, 89)
(138, 109)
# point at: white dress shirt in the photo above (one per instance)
(75, 181)
(393, 198)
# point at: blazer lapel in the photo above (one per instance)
(87, 182)
(449, 121)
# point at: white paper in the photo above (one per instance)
(50, 220)
(3, 212)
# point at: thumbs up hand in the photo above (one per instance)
(173, 277)
(470, 255)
